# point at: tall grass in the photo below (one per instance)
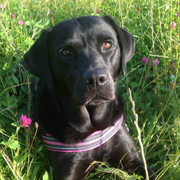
(155, 89)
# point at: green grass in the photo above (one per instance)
(155, 89)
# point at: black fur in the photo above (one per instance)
(77, 91)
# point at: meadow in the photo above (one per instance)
(153, 76)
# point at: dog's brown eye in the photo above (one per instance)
(107, 45)
(65, 52)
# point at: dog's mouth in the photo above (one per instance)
(94, 97)
(97, 100)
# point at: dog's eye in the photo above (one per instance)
(65, 52)
(106, 45)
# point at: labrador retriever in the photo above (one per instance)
(77, 105)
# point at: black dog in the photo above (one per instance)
(77, 63)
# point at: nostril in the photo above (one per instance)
(89, 81)
(102, 79)
(89, 78)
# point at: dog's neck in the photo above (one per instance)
(80, 121)
(85, 120)
(94, 140)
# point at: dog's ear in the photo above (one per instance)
(36, 60)
(126, 42)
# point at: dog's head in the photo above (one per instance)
(81, 58)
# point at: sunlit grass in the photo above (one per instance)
(155, 89)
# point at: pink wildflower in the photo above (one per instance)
(1, 6)
(177, 14)
(13, 15)
(144, 60)
(20, 22)
(25, 121)
(155, 62)
(173, 25)
(98, 11)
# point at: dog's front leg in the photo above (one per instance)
(69, 166)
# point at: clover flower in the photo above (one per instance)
(177, 14)
(21, 22)
(13, 15)
(173, 25)
(155, 62)
(25, 121)
(98, 11)
(144, 60)
(1, 6)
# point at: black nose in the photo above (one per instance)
(96, 77)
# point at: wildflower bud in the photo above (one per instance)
(36, 125)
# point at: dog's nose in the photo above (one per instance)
(96, 77)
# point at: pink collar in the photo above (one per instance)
(93, 141)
